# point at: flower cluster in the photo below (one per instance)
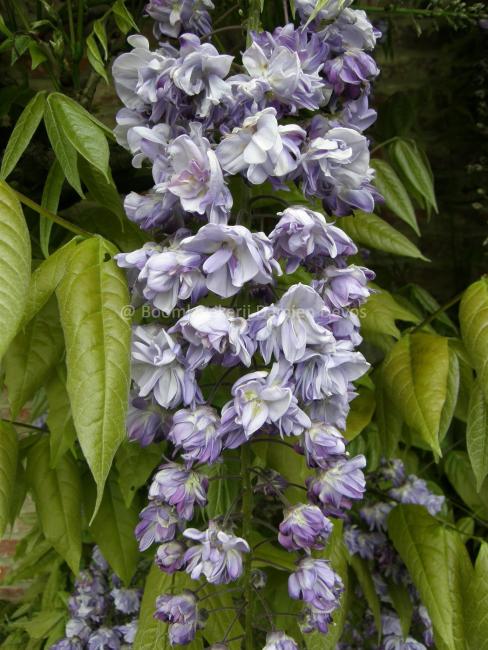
(103, 613)
(367, 538)
(286, 369)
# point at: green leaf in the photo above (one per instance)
(222, 492)
(477, 604)
(379, 313)
(101, 34)
(65, 152)
(473, 316)
(57, 494)
(387, 419)
(123, 18)
(416, 374)
(15, 261)
(95, 58)
(33, 355)
(224, 619)
(113, 529)
(92, 295)
(40, 625)
(22, 133)
(59, 420)
(430, 305)
(362, 409)
(135, 465)
(411, 163)
(365, 579)
(460, 474)
(395, 195)
(37, 55)
(477, 434)
(439, 566)
(8, 471)
(152, 633)
(103, 192)
(50, 200)
(452, 392)
(78, 127)
(371, 231)
(402, 603)
(45, 279)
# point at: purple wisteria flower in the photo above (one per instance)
(334, 166)
(191, 171)
(200, 70)
(315, 582)
(336, 488)
(323, 445)
(376, 514)
(305, 8)
(146, 422)
(126, 601)
(303, 235)
(181, 612)
(215, 335)
(128, 631)
(362, 543)
(351, 31)
(304, 527)
(286, 328)
(289, 63)
(77, 628)
(218, 554)
(280, 641)
(262, 397)
(179, 487)
(68, 644)
(158, 368)
(104, 639)
(261, 147)
(158, 524)
(197, 433)
(349, 71)
(415, 491)
(173, 17)
(235, 256)
(344, 287)
(170, 557)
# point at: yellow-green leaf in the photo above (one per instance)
(473, 316)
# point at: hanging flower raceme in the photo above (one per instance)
(257, 338)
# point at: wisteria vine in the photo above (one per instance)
(261, 303)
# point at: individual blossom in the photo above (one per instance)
(171, 18)
(196, 432)
(154, 209)
(376, 514)
(270, 482)
(215, 334)
(158, 368)
(348, 72)
(127, 631)
(262, 397)
(336, 488)
(357, 114)
(103, 639)
(158, 523)
(363, 543)
(315, 582)
(172, 275)
(304, 527)
(126, 601)
(133, 263)
(235, 256)
(280, 641)
(344, 287)
(323, 445)
(334, 166)
(319, 375)
(77, 628)
(179, 487)
(333, 409)
(68, 644)
(261, 147)
(145, 423)
(218, 554)
(200, 71)
(291, 79)
(192, 172)
(181, 612)
(415, 491)
(287, 328)
(303, 234)
(392, 470)
(170, 557)
(351, 30)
